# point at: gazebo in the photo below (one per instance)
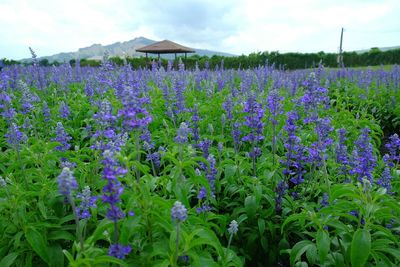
(165, 47)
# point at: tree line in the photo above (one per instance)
(288, 61)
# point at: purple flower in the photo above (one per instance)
(386, 178)
(317, 151)
(178, 212)
(65, 163)
(253, 120)
(394, 149)
(87, 201)
(27, 98)
(182, 134)
(233, 227)
(341, 153)
(66, 182)
(64, 110)
(113, 189)
(14, 136)
(119, 251)
(195, 124)
(211, 173)
(203, 209)
(295, 151)
(134, 114)
(274, 105)
(325, 200)
(62, 137)
(236, 135)
(363, 159)
(228, 105)
(280, 191)
(46, 112)
(202, 193)
(104, 116)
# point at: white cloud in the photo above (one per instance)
(238, 26)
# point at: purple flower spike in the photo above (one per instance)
(119, 251)
(87, 201)
(66, 182)
(178, 212)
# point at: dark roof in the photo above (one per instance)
(165, 47)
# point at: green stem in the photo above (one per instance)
(176, 253)
(137, 158)
(78, 232)
(273, 144)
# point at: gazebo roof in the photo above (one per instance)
(165, 47)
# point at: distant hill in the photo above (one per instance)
(97, 51)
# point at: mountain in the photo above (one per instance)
(97, 51)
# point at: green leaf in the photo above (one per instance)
(323, 245)
(250, 205)
(37, 243)
(108, 259)
(8, 260)
(360, 247)
(261, 225)
(299, 249)
(56, 256)
(60, 235)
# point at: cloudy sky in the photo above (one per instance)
(234, 26)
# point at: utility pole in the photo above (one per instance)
(340, 56)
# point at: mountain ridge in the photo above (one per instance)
(126, 48)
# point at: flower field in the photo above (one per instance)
(112, 166)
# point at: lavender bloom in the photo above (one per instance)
(275, 105)
(363, 160)
(113, 189)
(203, 209)
(386, 177)
(64, 110)
(155, 158)
(341, 153)
(27, 98)
(394, 149)
(318, 149)
(65, 163)
(178, 212)
(233, 227)
(211, 173)
(228, 106)
(202, 193)
(182, 134)
(253, 120)
(14, 136)
(314, 97)
(104, 115)
(255, 113)
(46, 112)
(281, 191)
(119, 251)
(66, 182)
(295, 155)
(236, 135)
(325, 200)
(204, 146)
(134, 114)
(62, 137)
(148, 144)
(195, 124)
(87, 201)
